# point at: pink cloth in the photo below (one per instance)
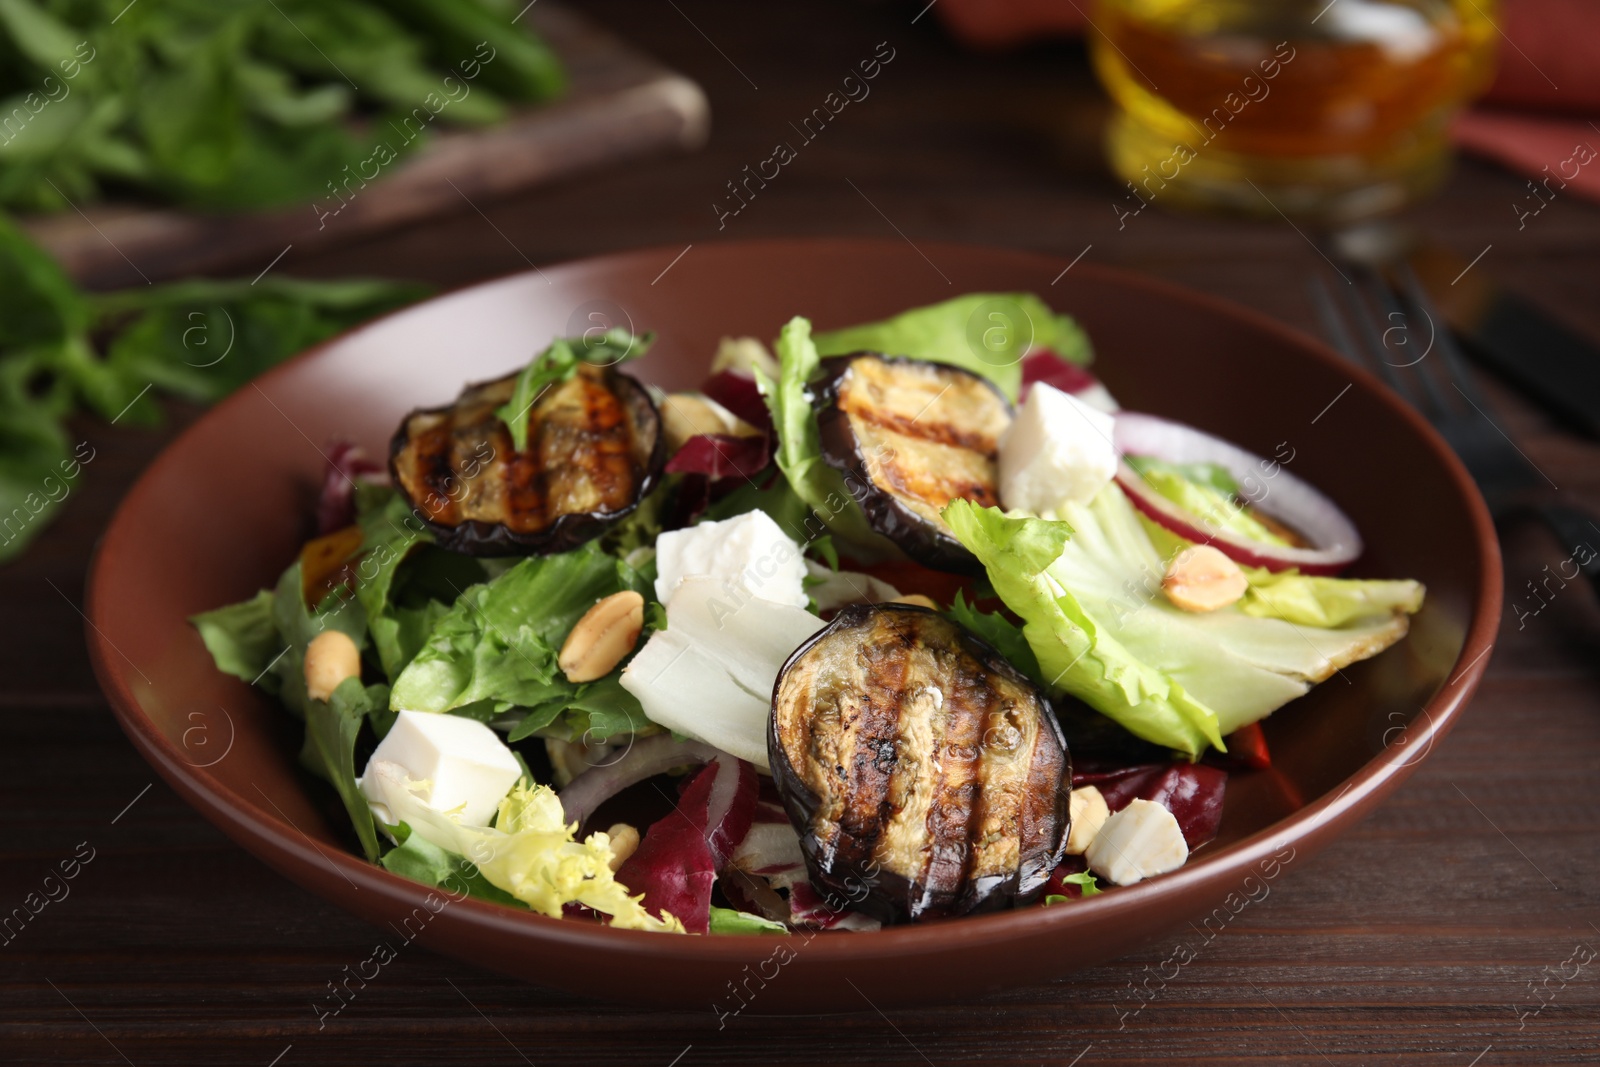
(1539, 116)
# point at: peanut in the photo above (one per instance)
(1088, 813)
(331, 657)
(686, 415)
(624, 841)
(1201, 578)
(916, 600)
(606, 633)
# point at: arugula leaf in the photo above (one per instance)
(559, 363)
(232, 105)
(198, 339)
(41, 303)
(329, 752)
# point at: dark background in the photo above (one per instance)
(1431, 935)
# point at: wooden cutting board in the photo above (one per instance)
(620, 105)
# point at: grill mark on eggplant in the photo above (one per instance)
(921, 434)
(436, 471)
(957, 792)
(872, 755)
(595, 449)
(931, 807)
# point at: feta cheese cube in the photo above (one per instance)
(748, 553)
(1057, 451)
(1138, 842)
(469, 770)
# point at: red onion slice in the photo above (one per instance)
(645, 758)
(1290, 500)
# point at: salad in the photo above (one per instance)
(881, 625)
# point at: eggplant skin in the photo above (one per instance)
(909, 436)
(926, 776)
(595, 449)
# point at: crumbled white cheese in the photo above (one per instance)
(709, 674)
(467, 769)
(748, 554)
(1138, 842)
(1058, 450)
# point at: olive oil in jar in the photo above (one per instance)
(1325, 110)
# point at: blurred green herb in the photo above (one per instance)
(228, 104)
(62, 351)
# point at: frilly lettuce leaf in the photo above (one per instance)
(497, 646)
(529, 852)
(241, 637)
(1326, 602)
(1077, 650)
(1089, 591)
(986, 333)
(1001, 633)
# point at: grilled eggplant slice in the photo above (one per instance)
(926, 776)
(910, 436)
(595, 448)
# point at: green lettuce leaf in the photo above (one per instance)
(1004, 635)
(1077, 652)
(1326, 602)
(1089, 591)
(799, 451)
(559, 363)
(404, 581)
(417, 858)
(729, 921)
(297, 625)
(986, 333)
(495, 649)
(1206, 491)
(241, 637)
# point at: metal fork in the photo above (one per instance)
(1384, 339)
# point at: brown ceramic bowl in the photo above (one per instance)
(224, 509)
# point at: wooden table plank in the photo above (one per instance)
(1413, 940)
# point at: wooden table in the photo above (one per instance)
(1449, 929)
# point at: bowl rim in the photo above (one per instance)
(283, 846)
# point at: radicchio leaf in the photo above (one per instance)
(738, 393)
(722, 455)
(336, 505)
(1193, 792)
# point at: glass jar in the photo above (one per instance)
(1324, 110)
